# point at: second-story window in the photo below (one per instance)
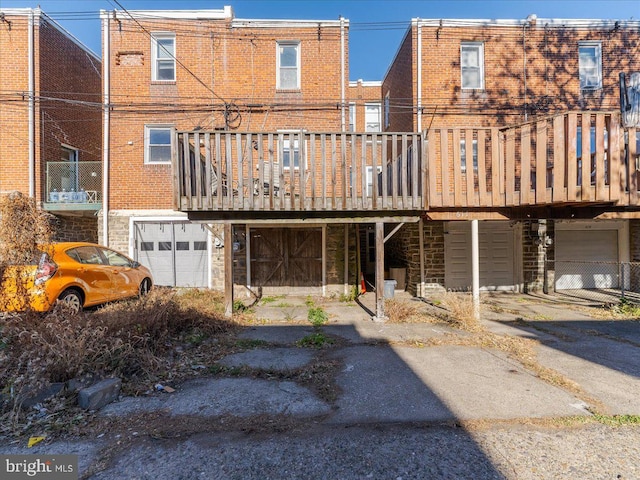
(372, 118)
(472, 65)
(288, 71)
(590, 65)
(163, 51)
(157, 144)
(352, 116)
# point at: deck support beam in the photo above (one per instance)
(228, 270)
(380, 315)
(475, 269)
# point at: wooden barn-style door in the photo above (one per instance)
(286, 257)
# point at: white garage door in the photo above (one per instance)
(497, 257)
(175, 252)
(586, 259)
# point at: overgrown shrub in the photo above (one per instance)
(23, 228)
(129, 339)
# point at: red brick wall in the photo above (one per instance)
(14, 139)
(360, 94)
(399, 84)
(62, 70)
(552, 79)
(68, 72)
(239, 65)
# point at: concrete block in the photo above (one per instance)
(34, 398)
(100, 394)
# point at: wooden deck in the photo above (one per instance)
(299, 171)
(534, 164)
(539, 163)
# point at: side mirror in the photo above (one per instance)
(135, 264)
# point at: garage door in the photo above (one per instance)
(286, 257)
(586, 259)
(497, 255)
(175, 252)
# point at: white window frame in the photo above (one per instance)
(148, 145)
(279, 85)
(367, 116)
(160, 54)
(479, 47)
(352, 116)
(286, 145)
(371, 179)
(590, 74)
(463, 155)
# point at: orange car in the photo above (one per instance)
(78, 274)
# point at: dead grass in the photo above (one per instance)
(402, 311)
(137, 340)
(461, 311)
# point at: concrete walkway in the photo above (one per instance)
(391, 381)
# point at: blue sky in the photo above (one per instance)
(377, 26)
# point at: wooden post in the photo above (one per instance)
(421, 248)
(380, 317)
(475, 269)
(228, 271)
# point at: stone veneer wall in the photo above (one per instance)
(404, 249)
(118, 232)
(76, 229)
(533, 256)
(335, 257)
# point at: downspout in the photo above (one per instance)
(106, 40)
(419, 74)
(524, 69)
(32, 111)
(342, 73)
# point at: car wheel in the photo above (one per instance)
(72, 299)
(145, 286)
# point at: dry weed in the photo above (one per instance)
(23, 227)
(402, 311)
(461, 308)
(134, 340)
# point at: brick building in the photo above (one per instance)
(211, 72)
(50, 119)
(458, 80)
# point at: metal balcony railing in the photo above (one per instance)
(73, 186)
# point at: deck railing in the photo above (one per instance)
(298, 171)
(545, 162)
(536, 163)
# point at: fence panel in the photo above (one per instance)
(600, 282)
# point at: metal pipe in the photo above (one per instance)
(342, 74)
(475, 269)
(106, 126)
(419, 75)
(32, 110)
